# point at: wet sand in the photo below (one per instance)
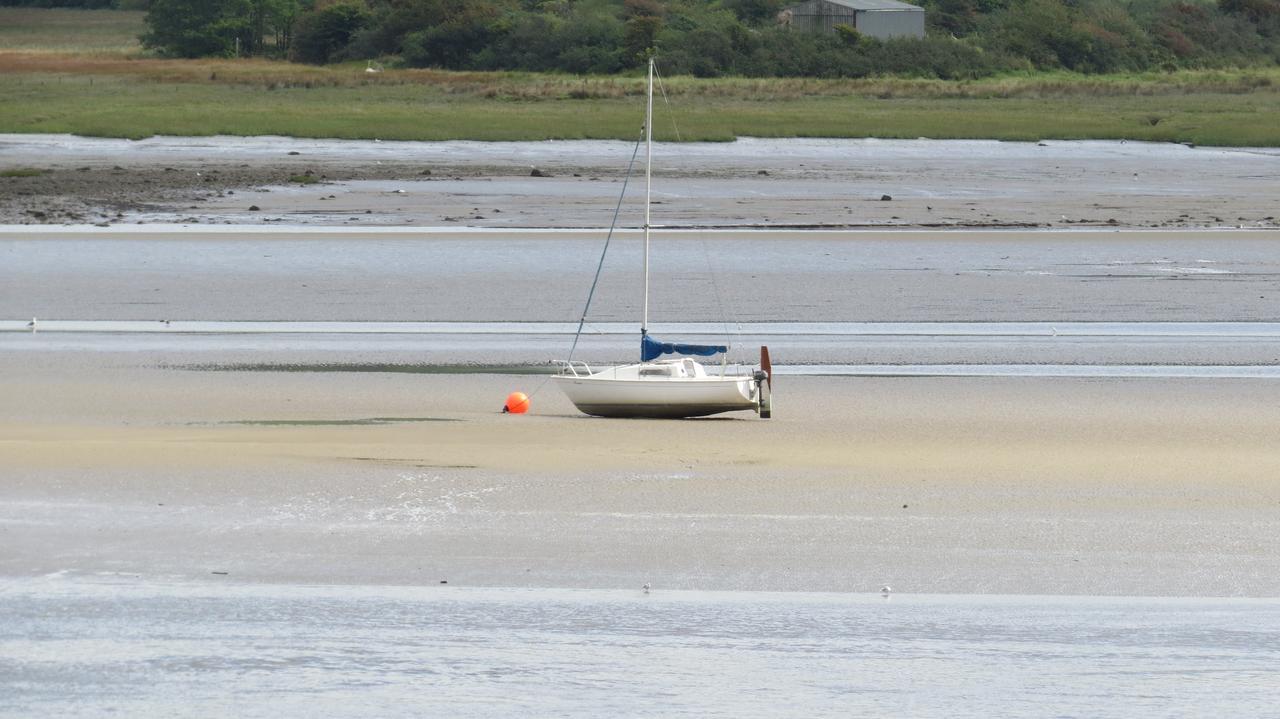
(246, 273)
(1020, 486)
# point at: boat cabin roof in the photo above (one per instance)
(683, 367)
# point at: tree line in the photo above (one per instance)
(965, 38)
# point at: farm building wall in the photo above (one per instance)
(820, 16)
(884, 24)
(879, 22)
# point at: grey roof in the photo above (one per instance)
(875, 5)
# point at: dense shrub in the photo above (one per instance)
(84, 4)
(1097, 36)
(201, 28)
(709, 38)
(459, 31)
(582, 38)
(197, 28)
(321, 34)
(1196, 36)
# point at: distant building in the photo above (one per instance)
(880, 19)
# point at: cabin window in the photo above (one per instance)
(655, 371)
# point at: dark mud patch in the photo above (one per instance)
(376, 367)
(415, 463)
(102, 193)
(357, 422)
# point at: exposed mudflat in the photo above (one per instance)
(794, 183)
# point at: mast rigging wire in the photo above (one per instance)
(702, 241)
(605, 250)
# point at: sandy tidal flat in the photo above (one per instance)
(1020, 486)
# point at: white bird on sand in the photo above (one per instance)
(646, 587)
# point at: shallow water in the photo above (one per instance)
(1095, 349)
(92, 646)
(1180, 330)
(508, 276)
(808, 150)
(154, 149)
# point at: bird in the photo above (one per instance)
(886, 590)
(646, 588)
(32, 324)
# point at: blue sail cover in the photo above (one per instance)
(652, 349)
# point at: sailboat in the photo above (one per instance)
(664, 388)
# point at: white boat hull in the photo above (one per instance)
(612, 393)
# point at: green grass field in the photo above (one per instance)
(66, 30)
(122, 106)
(48, 88)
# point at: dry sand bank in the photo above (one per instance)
(1011, 486)
(779, 183)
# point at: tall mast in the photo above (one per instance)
(648, 181)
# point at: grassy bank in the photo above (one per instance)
(104, 88)
(1226, 110)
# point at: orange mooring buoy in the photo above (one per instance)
(517, 403)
